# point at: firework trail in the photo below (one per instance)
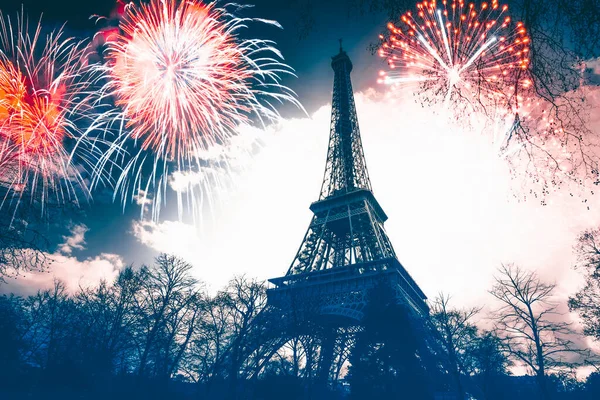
(44, 149)
(183, 81)
(472, 58)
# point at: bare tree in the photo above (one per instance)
(587, 249)
(587, 300)
(457, 333)
(226, 338)
(294, 354)
(529, 323)
(206, 359)
(26, 226)
(490, 363)
(49, 326)
(22, 240)
(246, 299)
(108, 316)
(168, 292)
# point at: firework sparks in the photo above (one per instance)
(183, 81)
(43, 145)
(471, 57)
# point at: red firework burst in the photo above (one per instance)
(183, 81)
(470, 56)
(42, 97)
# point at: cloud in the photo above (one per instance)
(449, 197)
(73, 272)
(216, 171)
(61, 265)
(591, 72)
(75, 241)
(142, 198)
(247, 225)
(169, 237)
(216, 166)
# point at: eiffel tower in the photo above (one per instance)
(345, 251)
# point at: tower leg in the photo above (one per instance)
(326, 359)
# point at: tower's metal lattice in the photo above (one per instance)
(345, 250)
(345, 169)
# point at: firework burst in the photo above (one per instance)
(183, 81)
(472, 58)
(43, 142)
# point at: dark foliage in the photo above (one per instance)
(154, 333)
(386, 361)
(587, 300)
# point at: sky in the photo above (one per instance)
(455, 211)
(109, 224)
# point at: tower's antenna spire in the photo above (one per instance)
(346, 170)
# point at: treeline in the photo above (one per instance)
(151, 326)
(156, 333)
(451, 355)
